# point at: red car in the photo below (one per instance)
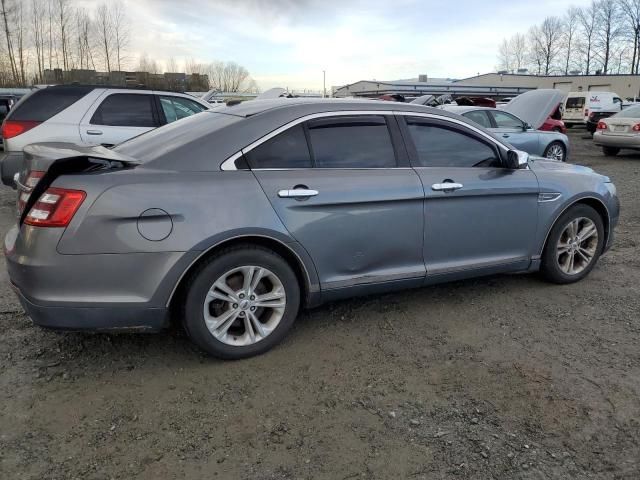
(554, 123)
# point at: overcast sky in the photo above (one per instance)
(289, 42)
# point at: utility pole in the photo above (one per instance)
(324, 84)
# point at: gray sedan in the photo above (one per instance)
(231, 221)
(517, 132)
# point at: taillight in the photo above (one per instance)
(592, 114)
(55, 208)
(586, 112)
(33, 177)
(636, 127)
(13, 128)
(602, 126)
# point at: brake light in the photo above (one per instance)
(602, 126)
(13, 128)
(32, 180)
(592, 114)
(55, 208)
(586, 112)
(636, 127)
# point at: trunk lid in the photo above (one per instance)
(535, 106)
(44, 162)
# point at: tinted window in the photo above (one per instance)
(43, 104)
(351, 142)
(175, 108)
(480, 117)
(504, 120)
(575, 102)
(443, 147)
(4, 109)
(125, 110)
(286, 150)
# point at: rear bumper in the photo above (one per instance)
(95, 318)
(618, 141)
(10, 164)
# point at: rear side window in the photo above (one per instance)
(175, 108)
(351, 142)
(575, 102)
(480, 117)
(43, 104)
(439, 146)
(286, 150)
(125, 110)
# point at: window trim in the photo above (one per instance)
(458, 127)
(229, 163)
(154, 110)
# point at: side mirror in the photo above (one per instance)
(525, 126)
(517, 159)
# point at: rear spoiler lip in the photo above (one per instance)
(52, 151)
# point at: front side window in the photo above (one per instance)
(175, 108)
(351, 142)
(505, 120)
(125, 110)
(440, 146)
(286, 150)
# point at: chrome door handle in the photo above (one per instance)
(94, 132)
(297, 193)
(445, 187)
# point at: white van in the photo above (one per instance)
(578, 105)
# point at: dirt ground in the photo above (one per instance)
(505, 377)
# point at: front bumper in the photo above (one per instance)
(617, 141)
(10, 164)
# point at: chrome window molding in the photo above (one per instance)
(229, 163)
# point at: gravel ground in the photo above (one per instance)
(504, 377)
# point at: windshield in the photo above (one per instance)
(631, 112)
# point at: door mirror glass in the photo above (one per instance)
(517, 159)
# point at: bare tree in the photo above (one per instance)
(7, 12)
(172, 65)
(145, 64)
(546, 42)
(120, 28)
(63, 16)
(519, 50)
(84, 31)
(608, 30)
(505, 56)
(631, 12)
(105, 33)
(570, 31)
(588, 18)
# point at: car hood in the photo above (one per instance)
(535, 106)
(540, 164)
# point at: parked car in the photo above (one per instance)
(594, 118)
(6, 103)
(619, 131)
(233, 219)
(554, 122)
(518, 132)
(579, 105)
(87, 115)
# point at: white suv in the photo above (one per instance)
(87, 115)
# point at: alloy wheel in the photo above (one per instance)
(556, 152)
(577, 246)
(244, 305)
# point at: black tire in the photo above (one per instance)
(559, 144)
(610, 151)
(550, 267)
(202, 280)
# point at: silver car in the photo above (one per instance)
(619, 131)
(520, 121)
(232, 220)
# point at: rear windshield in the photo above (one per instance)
(43, 104)
(575, 102)
(631, 112)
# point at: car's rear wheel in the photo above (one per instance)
(573, 246)
(610, 151)
(555, 151)
(241, 302)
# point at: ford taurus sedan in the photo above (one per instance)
(232, 220)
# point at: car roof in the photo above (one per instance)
(460, 109)
(255, 107)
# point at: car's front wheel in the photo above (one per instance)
(241, 302)
(556, 151)
(573, 246)
(610, 151)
